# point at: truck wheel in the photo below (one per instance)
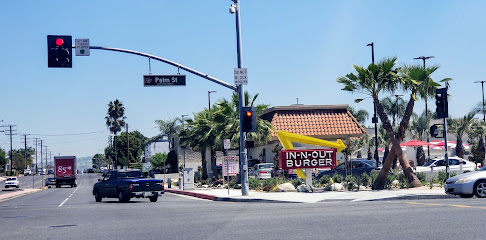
(122, 197)
(57, 185)
(97, 196)
(153, 198)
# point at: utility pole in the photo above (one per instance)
(128, 145)
(42, 167)
(374, 119)
(11, 148)
(36, 154)
(426, 97)
(25, 149)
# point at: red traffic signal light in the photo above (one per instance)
(59, 42)
(59, 51)
(248, 119)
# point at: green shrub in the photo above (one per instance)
(324, 179)
(363, 180)
(421, 177)
(297, 182)
(337, 178)
(268, 184)
(402, 180)
(373, 176)
(441, 178)
(254, 183)
(453, 174)
(350, 182)
(389, 179)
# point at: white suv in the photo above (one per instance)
(12, 182)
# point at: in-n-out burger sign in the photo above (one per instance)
(315, 158)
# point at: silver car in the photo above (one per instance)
(261, 170)
(468, 184)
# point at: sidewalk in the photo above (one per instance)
(301, 197)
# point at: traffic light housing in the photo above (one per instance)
(248, 115)
(442, 110)
(59, 51)
(434, 130)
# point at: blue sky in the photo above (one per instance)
(292, 49)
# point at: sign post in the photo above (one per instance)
(226, 145)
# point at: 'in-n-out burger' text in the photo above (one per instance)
(321, 158)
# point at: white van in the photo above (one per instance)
(27, 172)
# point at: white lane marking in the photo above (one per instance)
(65, 200)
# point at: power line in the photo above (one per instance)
(67, 134)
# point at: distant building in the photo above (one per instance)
(159, 146)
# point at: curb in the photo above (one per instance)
(223, 199)
(2, 199)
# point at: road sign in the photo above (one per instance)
(164, 80)
(82, 47)
(227, 144)
(241, 76)
(231, 165)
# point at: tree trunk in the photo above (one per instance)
(213, 164)
(395, 140)
(204, 168)
(420, 156)
(459, 148)
(482, 151)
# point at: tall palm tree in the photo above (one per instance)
(385, 76)
(460, 127)
(210, 127)
(115, 120)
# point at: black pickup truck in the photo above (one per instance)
(125, 184)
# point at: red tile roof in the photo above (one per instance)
(321, 121)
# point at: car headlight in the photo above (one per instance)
(463, 180)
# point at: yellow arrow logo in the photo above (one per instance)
(286, 139)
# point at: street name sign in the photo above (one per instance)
(164, 80)
(312, 158)
(241, 76)
(82, 47)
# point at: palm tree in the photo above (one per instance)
(419, 129)
(459, 127)
(115, 120)
(395, 108)
(168, 128)
(476, 141)
(386, 77)
(360, 115)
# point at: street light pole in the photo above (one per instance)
(482, 87)
(375, 119)
(235, 8)
(183, 153)
(209, 99)
(426, 97)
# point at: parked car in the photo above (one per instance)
(261, 170)
(27, 172)
(468, 184)
(432, 167)
(12, 182)
(356, 167)
(50, 181)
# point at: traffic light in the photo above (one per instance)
(442, 109)
(59, 51)
(249, 119)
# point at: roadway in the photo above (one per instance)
(72, 213)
